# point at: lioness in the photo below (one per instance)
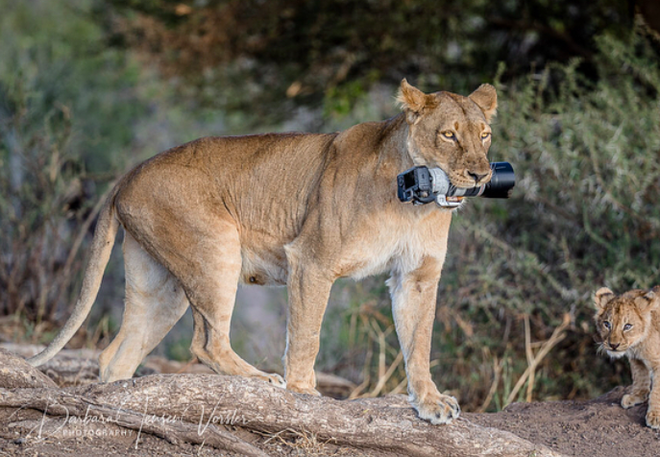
(629, 325)
(296, 209)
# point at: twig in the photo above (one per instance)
(556, 337)
(386, 376)
(530, 357)
(497, 374)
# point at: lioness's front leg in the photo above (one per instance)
(413, 305)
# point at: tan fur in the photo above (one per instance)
(294, 209)
(629, 325)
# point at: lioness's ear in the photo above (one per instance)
(413, 101)
(649, 301)
(486, 99)
(602, 297)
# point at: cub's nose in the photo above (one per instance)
(476, 176)
(614, 346)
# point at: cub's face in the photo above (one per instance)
(622, 321)
(451, 131)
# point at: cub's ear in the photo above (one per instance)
(486, 99)
(602, 297)
(413, 101)
(650, 300)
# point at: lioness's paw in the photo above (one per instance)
(628, 401)
(653, 419)
(441, 410)
(275, 379)
(303, 390)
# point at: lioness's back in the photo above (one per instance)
(250, 176)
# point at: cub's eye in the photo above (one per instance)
(627, 327)
(607, 325)
(449, 135)
(485, 135)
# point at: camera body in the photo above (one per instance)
(423, 185)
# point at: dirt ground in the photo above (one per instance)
(598, 427)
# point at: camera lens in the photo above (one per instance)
(502, 182)
(499, 186)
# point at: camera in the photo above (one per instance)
(423, 185)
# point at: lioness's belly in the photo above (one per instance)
(263, 267)
(267, 268)
(384, 244)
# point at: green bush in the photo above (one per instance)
(584, 212)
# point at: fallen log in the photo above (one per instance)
(16, 373)
(77, 367)
(200, 408)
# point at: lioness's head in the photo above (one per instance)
(623, 320)
(450, 131)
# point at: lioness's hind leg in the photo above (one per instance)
(155, 301)
(213, 349)
(213, 304)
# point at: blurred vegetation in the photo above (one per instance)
(59, 88)
(586, 212)
(90, 87)
(279, 54)
(72, 118)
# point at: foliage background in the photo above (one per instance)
(89, 88)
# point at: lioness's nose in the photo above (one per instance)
(476, 176)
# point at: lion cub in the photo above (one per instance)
(629, 324)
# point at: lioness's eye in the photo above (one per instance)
(627, 327)
(607, 325)
(485, 135)
(449, 134)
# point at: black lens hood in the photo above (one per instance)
(502, 182)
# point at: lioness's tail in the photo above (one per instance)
(104, 238)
